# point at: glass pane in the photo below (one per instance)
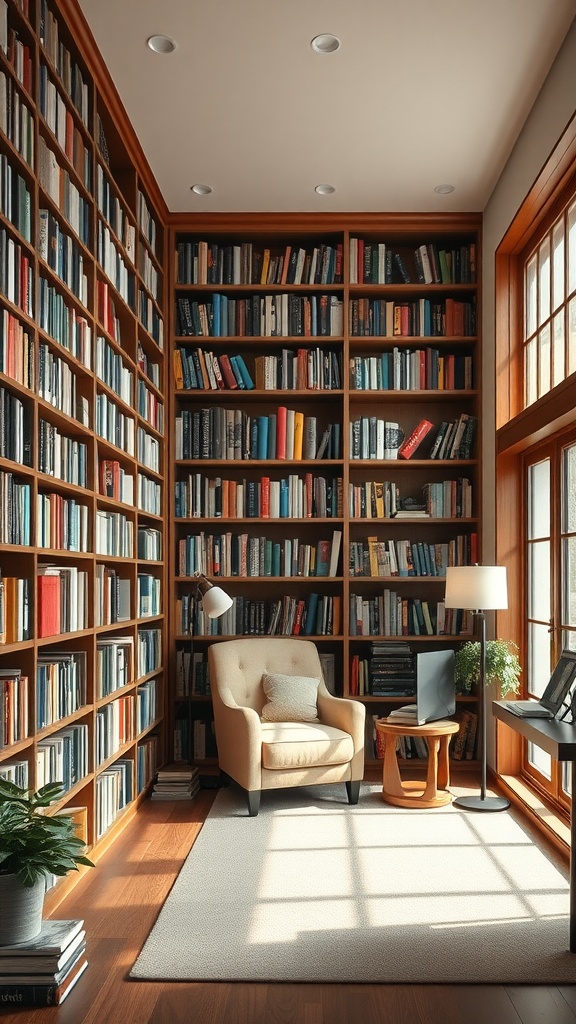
(571, 228)
(568, 640)
(531, 296)
(569, 488)
(571, 336)
(539, 581)
(538, 509)
(530, 372)
(539, 760)
(567, 777)
(538, 658)
(559, 371)
(544, 360)
(544, 282)
(569, 582)
(558, 265)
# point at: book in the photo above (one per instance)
(38, 993)
(47, 951)
(411, 443)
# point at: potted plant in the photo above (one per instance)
(33, 845)
(502, 666)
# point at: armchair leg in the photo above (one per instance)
(253, 797)
(353, 790)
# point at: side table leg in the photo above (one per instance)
(391, 781)
(431, 791)
(444, 763)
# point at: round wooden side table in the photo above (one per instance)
(434, 791)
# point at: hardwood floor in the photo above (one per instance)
(120, 899)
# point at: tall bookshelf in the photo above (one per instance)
(347, 320)
(82, 441)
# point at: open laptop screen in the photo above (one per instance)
(560, 682)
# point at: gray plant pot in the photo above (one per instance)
(20, 910)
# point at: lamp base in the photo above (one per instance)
(479, 803)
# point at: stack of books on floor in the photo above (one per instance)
(176, 782)
(44, 970)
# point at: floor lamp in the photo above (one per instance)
(215, 602)
(479, 588)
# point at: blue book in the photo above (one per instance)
(284, 499)
(243, 369)
(276, 559)
(216, 315)
(311, 612)
(262, 448)
(237, 373)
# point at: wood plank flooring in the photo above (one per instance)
(120, 899)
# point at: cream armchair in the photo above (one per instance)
(261, 754)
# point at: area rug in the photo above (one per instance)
(315, 890)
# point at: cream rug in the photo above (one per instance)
(315, 890)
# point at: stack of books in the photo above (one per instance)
(176, 782)
(44, 970)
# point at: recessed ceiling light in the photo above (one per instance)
(443, 190)
(325, 43)
(201, 190)
(324, 190)
(161, 44)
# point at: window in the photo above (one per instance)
(536, 448)
(550, 308)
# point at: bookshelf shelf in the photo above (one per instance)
(78, 336)
(423, 308)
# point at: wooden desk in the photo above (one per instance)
(433, 792)
(559, 740)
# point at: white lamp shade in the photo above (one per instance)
(215, 602)
(476, 587)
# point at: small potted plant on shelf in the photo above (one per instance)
(502, 666)
(33, 845)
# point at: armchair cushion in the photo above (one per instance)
(290, 698)
(294, 745)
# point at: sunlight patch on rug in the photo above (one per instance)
(313, 889)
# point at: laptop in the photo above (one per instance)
(554, 695)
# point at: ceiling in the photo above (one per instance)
(420, 93)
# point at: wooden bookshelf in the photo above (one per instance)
(82, 435)
(405, 339)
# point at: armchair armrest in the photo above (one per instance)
(342, 713)
(238, 739)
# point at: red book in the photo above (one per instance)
(265, 497)
(48, 586)
(281, 432)
(409, 446)
(227, 371)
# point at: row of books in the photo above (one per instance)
(283, 315)
(115, 265)
(146, 705)
(113, 596)
(114, 726)
(316, 615)
(149, 406)
(63, 756)
(14, 510)
(114, 791)
(233, 434)
(17, 351)
(62, 523)
(149, 650)
(374, 262)
(114, 425)
(62, 321)
(62, 598)
(113, 210)
(61, 122)
(372, 437)
(56, 182)
(417, 318)
(16, 119)
(62, 254)
(411, 370)
(14, 721)
(15, 201)
(112, 370)
(391, 614)
(148, 595)
(243, 555)
(292, 497)
(146, 761)
(65, 458)
(114, 664)
(402, 558)
(16, 274)
(61, 685)
(449, 499)
(15, 620)
(14, 429)
(304, 369)
(192, 673)
(202, 262)
(58, 385)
